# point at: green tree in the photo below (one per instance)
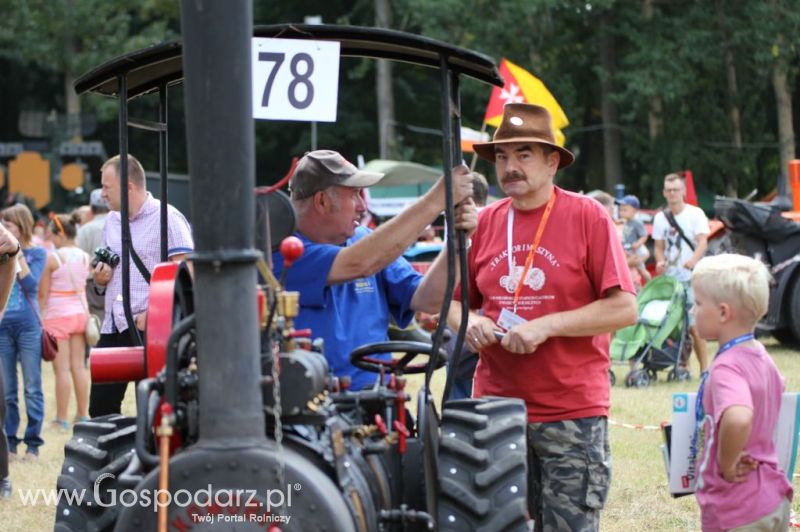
(669, 79)
(68, 37)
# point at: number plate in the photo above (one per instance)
(295, 79)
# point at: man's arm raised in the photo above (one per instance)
(376, 251)
(430, 292)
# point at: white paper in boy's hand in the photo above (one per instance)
(508, 319)
(786, 438)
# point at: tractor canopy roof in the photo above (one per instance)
(147, 69)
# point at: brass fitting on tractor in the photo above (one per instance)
(289, 305)
(315, 403)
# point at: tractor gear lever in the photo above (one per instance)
(292, 249)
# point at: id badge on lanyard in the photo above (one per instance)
(508, 319)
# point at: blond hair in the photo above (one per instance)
(136, 173)
(740, 281)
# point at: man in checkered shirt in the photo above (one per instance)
(144, 215)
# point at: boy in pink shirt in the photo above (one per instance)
(739, 485)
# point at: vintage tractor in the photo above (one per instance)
(770, 232)
(761, 231)
(239, 423)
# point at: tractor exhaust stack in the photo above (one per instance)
(221, 149)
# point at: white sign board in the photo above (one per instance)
(682, 476)
(295, 79)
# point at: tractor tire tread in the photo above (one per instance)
(98, 446)
(464, 498)
(464, 418)
(111, 441)
(499, 470)
(464, 451)
(483, 466)
(511, 517)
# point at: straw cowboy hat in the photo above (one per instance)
(523, 122)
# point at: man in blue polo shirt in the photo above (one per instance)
(351, 279)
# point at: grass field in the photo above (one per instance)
(639, 498)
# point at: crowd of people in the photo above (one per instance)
(47, 293)
(550, 279)
(740, 485)
(552, 274)
(61, 287)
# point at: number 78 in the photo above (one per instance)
(297, 77)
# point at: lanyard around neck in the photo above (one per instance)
(534, 247)
(699, 410)
(734, 342)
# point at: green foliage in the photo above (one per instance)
(77, 35)
(55, 41)
(676, 57)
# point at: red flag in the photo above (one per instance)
(509, 93)
(691, 193)
(523, 87)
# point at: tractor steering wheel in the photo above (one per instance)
(360, 357)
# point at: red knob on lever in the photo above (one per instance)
(381, 425)
(402, 429)
(292, 249)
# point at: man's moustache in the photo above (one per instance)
(512, 177)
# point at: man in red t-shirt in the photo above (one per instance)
(541, 321)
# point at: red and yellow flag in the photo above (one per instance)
(523, 87)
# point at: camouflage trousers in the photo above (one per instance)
(569, 473)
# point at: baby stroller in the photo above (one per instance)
(659, 338)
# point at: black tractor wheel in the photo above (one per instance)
(785, 336)
(612, 377)
(483, 483)
(792, 306)
(99, 449)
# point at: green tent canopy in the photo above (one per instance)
(403, 183)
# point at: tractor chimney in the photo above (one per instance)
(220, 135)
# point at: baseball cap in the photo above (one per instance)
(320, 169)
(630, 199)
(96, 199)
